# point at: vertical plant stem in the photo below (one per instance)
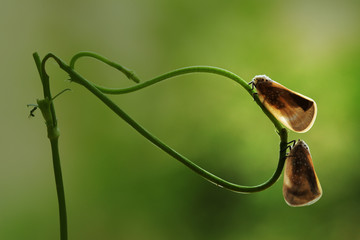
(59, 188)
(48, 111)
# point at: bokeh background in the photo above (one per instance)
(119, 185)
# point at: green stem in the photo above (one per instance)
(196, 69)
(174, 73)
(130, 74)
(48, 111)
(207, 175)
(59, 189)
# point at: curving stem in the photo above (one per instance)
(76, 77)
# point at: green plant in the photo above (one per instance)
(46, 105)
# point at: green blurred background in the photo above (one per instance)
(120, 186)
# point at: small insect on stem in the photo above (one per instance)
(35, 106)
(32, 110)
(296, 111)
(301, 185)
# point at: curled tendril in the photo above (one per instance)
(99, 91)
(128, 73)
